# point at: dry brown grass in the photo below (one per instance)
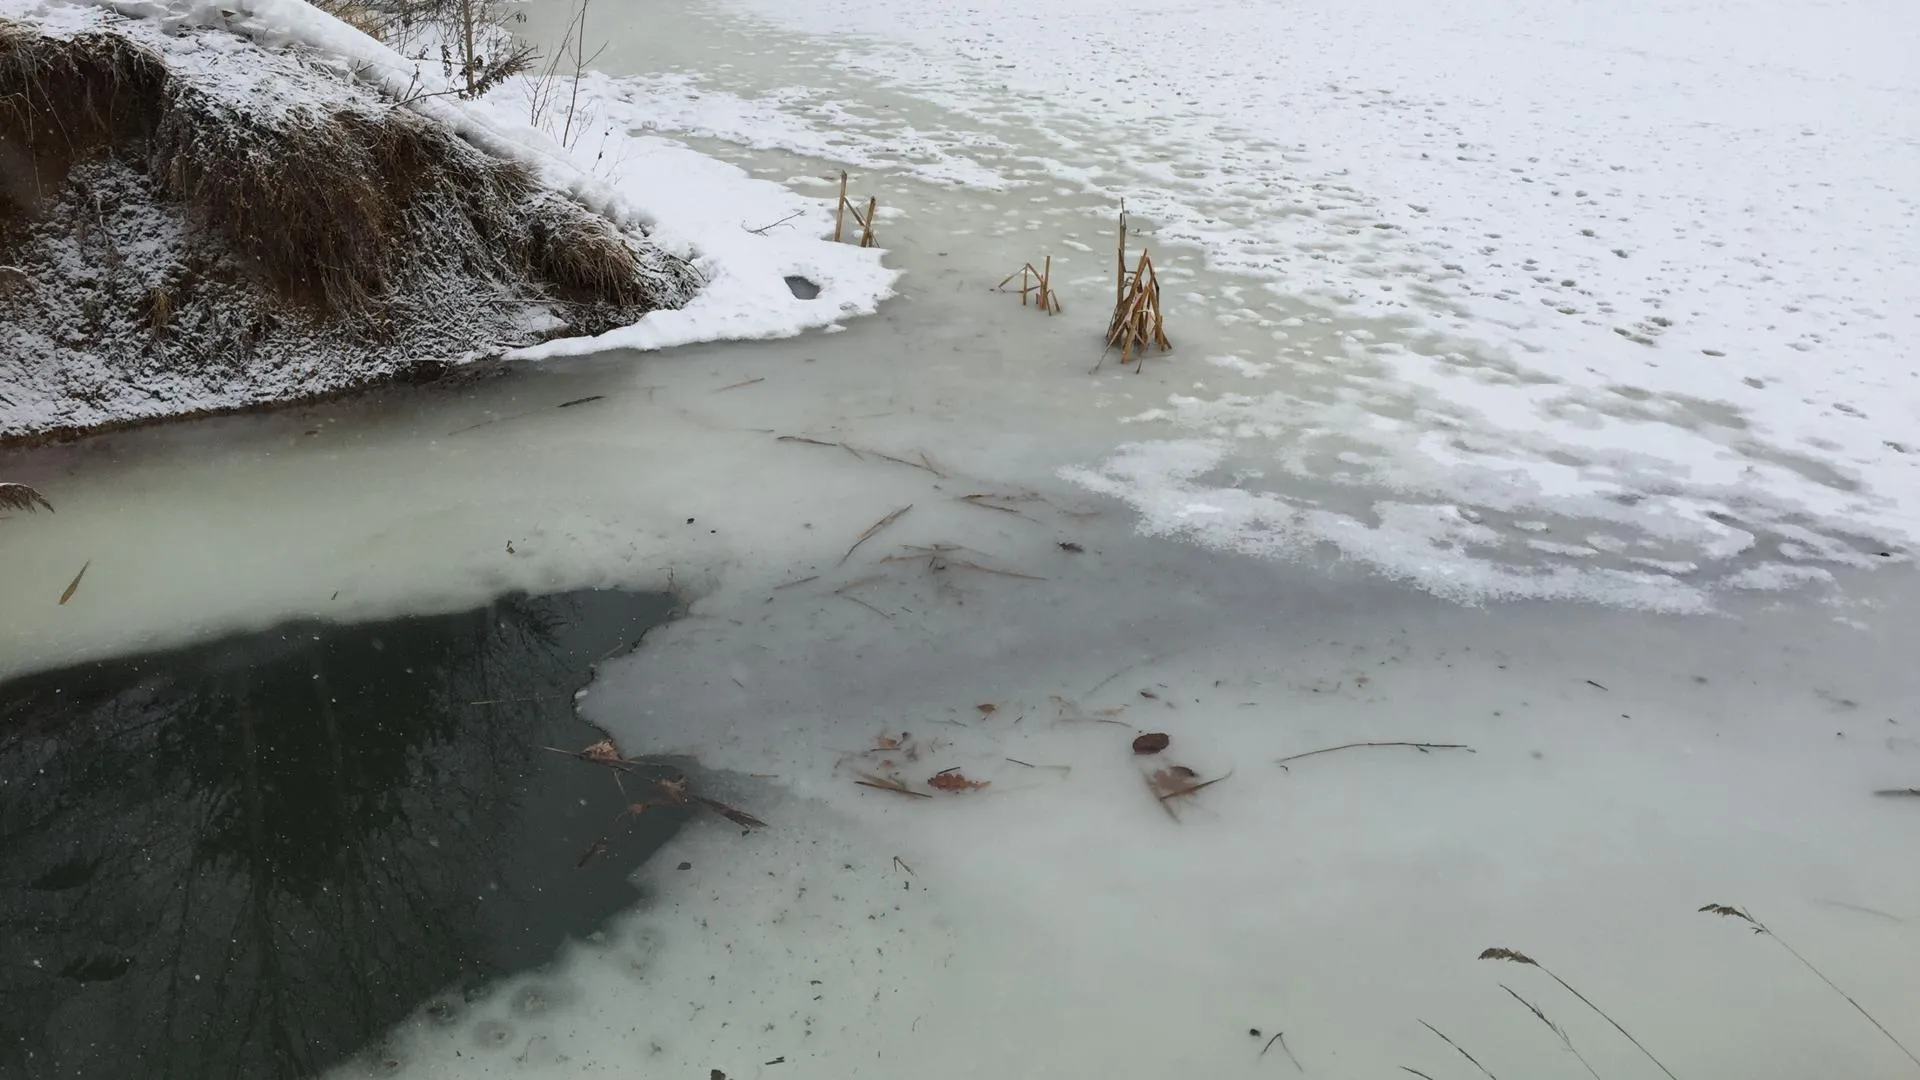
(60, 101)
(320, 207)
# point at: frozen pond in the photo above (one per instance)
(1657, 644)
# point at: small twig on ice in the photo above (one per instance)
(873, 530)
(1423, 747)
(762, 230)
(1281, 1038)
(888, 783)
(611, 761)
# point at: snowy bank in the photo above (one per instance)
(219, 208)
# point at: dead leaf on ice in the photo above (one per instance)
(1151, 743)
(74, 585)
(603, 751)
(953, 780)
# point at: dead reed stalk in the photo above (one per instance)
(1037, 282)
(1767, 931)
(1518, 957)
(1136, 323)
(840, 209)
(1565, 1039)
(846, 206)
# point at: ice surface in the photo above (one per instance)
(1057, 921)
(1626, 766)
(1417, 406)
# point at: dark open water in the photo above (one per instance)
(249, 858)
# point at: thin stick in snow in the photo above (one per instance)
(1423, 747)
(840, 208)
(873, 530)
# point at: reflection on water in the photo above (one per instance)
(249, 858)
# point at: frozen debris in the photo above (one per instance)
(22, 497)
(954, 781)
(1176, 781)
(1151, 743)
(1420, 746)
(603, 751)
(874, 529)
(889, 783)
(670, 790)
(1035, 282)
(941, 557)
(74, 585)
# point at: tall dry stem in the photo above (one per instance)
(1759, 927)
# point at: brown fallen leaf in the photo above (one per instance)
(1177, 780)
(74, 585)
(673, 788)
(953, 780)
(603, 751)
(888, 742)
(1151, 743)
(987, 708)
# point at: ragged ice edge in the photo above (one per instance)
(1764, 382)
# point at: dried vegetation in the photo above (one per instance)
(302, 205)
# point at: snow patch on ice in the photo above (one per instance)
(1434, 546)
(1656, 282)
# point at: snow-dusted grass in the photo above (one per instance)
(645, 186)
(105, 352)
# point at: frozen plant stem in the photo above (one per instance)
(1565, 1039)
(1762, 928)
(1518, 957)
(1463, 1053)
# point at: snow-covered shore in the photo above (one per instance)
(82, 363)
